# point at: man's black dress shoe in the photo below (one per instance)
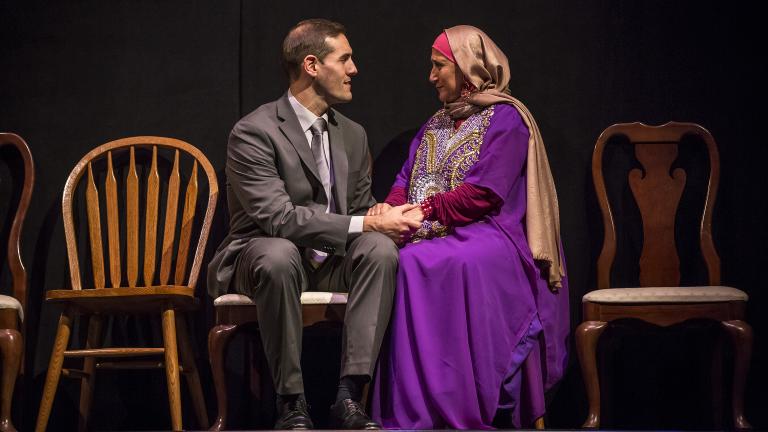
(294, 415)
(348, 414)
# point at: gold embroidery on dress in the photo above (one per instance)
(418, 157)
(468, 139)
(442, 160)
(431, 141)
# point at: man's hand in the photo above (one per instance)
(378, 209)
(393, 223)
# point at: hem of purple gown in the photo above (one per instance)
(523, 387)
(519, 354)
(510, 387)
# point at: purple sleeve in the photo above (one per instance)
(502, 154)
(404, 176)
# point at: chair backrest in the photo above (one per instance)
(657, 189)
(18, 272)
(151, 187)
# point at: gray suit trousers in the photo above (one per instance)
(273, 273)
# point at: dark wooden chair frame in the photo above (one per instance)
(658, 245)
(232, 319)
(166, 299)
(11, 327)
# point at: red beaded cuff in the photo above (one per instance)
(426, 207)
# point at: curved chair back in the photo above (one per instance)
(140, 248)
(657, 189)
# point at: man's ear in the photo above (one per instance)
(310, 65)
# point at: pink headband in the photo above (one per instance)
(441, 44)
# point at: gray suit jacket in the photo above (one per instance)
(274, 189)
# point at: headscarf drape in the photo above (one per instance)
(441, 44)
(486, 67)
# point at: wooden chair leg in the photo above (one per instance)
(587, 335)
(741, 338)
(172, 366)
(539, 424)
(716, 381)
(190, 373)
(88, 382)
(11, 346)
(54, 370)
(218, 340)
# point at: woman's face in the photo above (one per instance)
(446, 77)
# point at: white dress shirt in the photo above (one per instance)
(306, 119)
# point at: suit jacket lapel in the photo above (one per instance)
(292, 130)
(339, 162)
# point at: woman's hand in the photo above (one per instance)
(378, 209)
(415, 214)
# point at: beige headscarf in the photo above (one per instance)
(487, 68)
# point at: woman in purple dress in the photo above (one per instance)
(480, 319)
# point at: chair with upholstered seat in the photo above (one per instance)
(168, 293)
(657, 186)
(12, 306)
(236, 312)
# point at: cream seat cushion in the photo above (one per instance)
(8, 302)
(692, 294)
(307, 298)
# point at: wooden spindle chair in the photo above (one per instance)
(153, 294)
(12, 306)
(657, 189)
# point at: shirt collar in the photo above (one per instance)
(305, 116)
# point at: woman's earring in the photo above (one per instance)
(467, 89)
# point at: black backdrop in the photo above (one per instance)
(78, 74)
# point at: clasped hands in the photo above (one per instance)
(397, 223)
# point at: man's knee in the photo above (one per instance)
(378, 248)
(272, 259)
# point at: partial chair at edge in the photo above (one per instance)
(12, 307)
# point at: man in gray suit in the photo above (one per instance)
(298, 188)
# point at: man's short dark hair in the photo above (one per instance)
(307, 38)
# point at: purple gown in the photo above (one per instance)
(474, 326)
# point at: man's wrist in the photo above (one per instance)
(370, 223)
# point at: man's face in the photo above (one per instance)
(335, 72)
